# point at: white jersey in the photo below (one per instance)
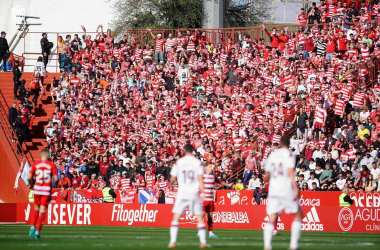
(277, 165)
(39, 68)
(187, 170)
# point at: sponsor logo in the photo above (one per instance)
(280, 225)
(311, 222)
(188, 218)
(230, 217)
(310, 202)
(366, 199)
(68, 214)
(237, 198)
(132, 215)
(345, 219)
(234, 197)
(27, 212)
(220, 217)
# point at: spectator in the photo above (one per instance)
(301, 180)
(311, 181)
(239, 184)
(76, 181)
(254, 182)
(64, 182)
(340, 182)
(370, 183)
(250, 168)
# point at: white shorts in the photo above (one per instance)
(194, 204)
(276, 204)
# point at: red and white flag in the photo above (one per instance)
(127, 196)
(20, 170)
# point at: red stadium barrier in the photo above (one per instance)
(327, 219)
(245, 197)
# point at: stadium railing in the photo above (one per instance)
(32, 47)
(10, 134)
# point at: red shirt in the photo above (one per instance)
(43, 172)
(103, 167)
(76, 182)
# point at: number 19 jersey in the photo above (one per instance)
(277, 165)
(187, 169)
(43, 172)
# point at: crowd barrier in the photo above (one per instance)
(326, 219)
(243, 198)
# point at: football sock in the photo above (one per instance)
(295, 233)
(268, 234)
(173, 232)
(202, 233)
(41, 219)
(33, 221)
(209, 224)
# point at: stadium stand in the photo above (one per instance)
(228, 92)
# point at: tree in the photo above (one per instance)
(245, 13)
(158, 14)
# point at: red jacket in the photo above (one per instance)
(309, 44)
(331, 45)
(274, 39)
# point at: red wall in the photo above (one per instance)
(8, 171)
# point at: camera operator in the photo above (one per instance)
(16, 79)
(4, 50)
(45, 47)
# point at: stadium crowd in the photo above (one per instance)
(124, 109)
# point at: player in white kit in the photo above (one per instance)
(189, 174)
(283, 193)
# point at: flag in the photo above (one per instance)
(80, 196)
(147, 197)
(25, 173)
(15, 187)
(127, 196)
(170, 196)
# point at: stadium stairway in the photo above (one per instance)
(45, 108)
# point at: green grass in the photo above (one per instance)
(101, 237)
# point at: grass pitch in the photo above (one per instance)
(102, 237)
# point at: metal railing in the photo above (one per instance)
(10, 134)
(32, 44)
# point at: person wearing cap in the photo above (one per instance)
(4, 50)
